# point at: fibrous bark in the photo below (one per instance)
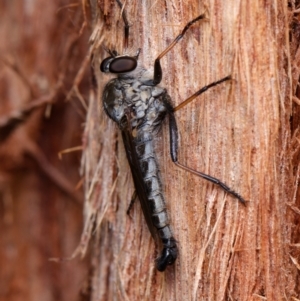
(239, 131)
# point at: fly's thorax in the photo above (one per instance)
(128, 97)
(146, 106)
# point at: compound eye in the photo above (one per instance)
(104, 67)
(122, 64)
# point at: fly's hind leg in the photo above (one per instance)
(132, 201)
(174, 140)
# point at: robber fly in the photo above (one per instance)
(138, 105)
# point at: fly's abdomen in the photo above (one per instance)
(155, 199)
(151, 178)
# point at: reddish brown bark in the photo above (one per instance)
(245, 132)
(42, 47)
(239, 132)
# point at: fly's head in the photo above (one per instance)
(119, 64)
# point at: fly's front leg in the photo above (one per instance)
(157, 77)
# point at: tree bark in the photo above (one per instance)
(42, 46)
(239, 132)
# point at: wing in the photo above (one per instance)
(137, 175)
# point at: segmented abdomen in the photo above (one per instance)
(151, 178)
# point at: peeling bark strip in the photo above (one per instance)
(241, 135)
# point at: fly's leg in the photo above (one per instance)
(213, 180)
(174, 142)
(126, 23)
(202, 90)
(157, 77)
(132, 201)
